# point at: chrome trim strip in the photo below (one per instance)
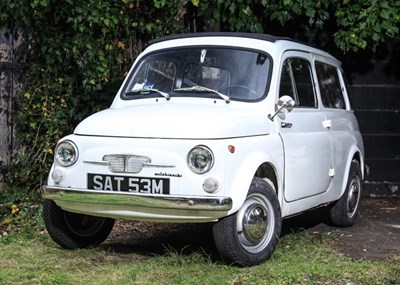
(89, 196)
(105, 163)
(158, 165)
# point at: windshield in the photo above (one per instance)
(225, 73)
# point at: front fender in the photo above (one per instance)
(255, 152)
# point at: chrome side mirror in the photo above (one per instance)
(284, 105)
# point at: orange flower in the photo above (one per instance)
(14, 209)
(121, 45)
(6, 222)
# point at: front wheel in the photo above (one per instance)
(250, 236)
(344, 212)
(71, 230)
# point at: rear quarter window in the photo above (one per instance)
(329, 86)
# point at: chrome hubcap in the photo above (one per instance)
(354, 196)
(255, 223)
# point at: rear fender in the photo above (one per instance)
(354, 154)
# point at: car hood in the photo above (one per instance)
(176, 120)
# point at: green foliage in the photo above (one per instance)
(366, 22)
(75, 54)
(234, 15)
(359, 24)
(73, 57)
(19, 212)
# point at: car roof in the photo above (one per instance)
(265, 37)
(284, 42)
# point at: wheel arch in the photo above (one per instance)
(360, 159)
(355, 154)
(267, 171)
(255, 165)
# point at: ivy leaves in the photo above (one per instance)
(73, 57)
(366, 23)
(75, 54)
(359, 24)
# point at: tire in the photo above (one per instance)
(71, 230)
(250, 236)
(343, 213)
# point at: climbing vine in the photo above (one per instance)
(73, 56)
(358, 24)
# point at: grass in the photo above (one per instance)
(29, 256)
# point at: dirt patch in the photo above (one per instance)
(158, 238)
(375, 235)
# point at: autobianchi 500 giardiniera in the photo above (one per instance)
(240, 130)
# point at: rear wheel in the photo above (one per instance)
(344, 212)
(71, 230)
(249, 236)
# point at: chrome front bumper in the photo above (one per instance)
(136, 206)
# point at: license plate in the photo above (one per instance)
(143, 185)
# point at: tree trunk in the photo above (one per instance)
(7, 90)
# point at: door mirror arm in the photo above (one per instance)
(285, 104)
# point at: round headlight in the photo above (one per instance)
(200, 159)
(66, 153)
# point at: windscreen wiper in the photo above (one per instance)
(139, 90)
(199, 88)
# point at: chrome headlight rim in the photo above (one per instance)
(66, 159)
(195, 152)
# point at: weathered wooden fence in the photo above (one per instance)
(8, 89)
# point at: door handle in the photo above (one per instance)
(286, 125)
(327, 124)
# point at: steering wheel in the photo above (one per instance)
(238, 86)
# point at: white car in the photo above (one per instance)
(242, 130)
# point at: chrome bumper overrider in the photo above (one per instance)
(65, 196)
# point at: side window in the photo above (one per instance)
(296, 81)
(286, 85)
(329, 85)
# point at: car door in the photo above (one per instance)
(339, 116)
(304, 131)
